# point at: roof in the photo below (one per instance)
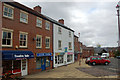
(76, 36)
(29, 10)
(99, 50)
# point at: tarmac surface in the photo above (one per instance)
(74, 70)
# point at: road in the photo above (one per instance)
(103, 70)
(80, 71)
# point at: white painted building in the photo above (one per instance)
(63, 44)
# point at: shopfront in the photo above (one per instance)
(43, 60)
(16, 62)
(59, 59)
(70, 57)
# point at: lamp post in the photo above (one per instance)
(117, 7)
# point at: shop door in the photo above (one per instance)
(24, 67)
(43, 63)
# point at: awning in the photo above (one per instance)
(43, 54)
(13, 55)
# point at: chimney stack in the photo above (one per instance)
(61, 21)
(37, 8)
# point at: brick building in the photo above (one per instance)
(87, 51)
(26, 39)
(77, 49)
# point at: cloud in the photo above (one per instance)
(96, 21)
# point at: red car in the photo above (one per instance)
(97, 60)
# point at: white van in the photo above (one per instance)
(105, 55)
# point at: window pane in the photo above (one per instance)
(24, 37)
(16, 66)
(7, 66)
(5, 13)
(6, 9)
(21, 37)
(38, 62)
(9, 35)
(8, 42)
(9, 15)
(4, 35)
(20, 43)
(24, 43)
(4, 41)
(10, 10)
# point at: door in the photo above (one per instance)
(43, 63)
(24, 67)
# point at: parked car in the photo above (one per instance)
(105, 55)
(93, 60)
(118, 57)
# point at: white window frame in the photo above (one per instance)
(60, 48)
(40, 36)
(8, 30)
(23, 13)
(24, 33)
(59, 30)
(6, 5)
(45, 42)
(45, 25)
(38, 23)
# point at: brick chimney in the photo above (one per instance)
(37, 8)
(61, 21)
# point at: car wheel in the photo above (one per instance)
(93, 63)
(106, 63)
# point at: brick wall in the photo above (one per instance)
(32, 30)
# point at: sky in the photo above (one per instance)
(95, 20)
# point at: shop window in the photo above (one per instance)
(16, 66)
(8, 11)
(55, 59)
(7, 66)
(38, 63)
(38, 41)
(23, 39)
(47, 42)
(69, 58)
(6, 38)
(11, 66)
(47, 61)
(60, 59)
(39, 22)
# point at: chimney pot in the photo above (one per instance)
(61, 21)
(37, 8)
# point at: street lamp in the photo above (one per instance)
(117, 7)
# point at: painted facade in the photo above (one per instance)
(62, 38)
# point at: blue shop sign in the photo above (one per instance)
(13, 55)
(43, 54)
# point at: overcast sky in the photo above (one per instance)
(95, 20)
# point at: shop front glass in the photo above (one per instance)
(59, 59)
(69, 58)
(11, 66)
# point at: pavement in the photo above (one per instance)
(68, 71)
